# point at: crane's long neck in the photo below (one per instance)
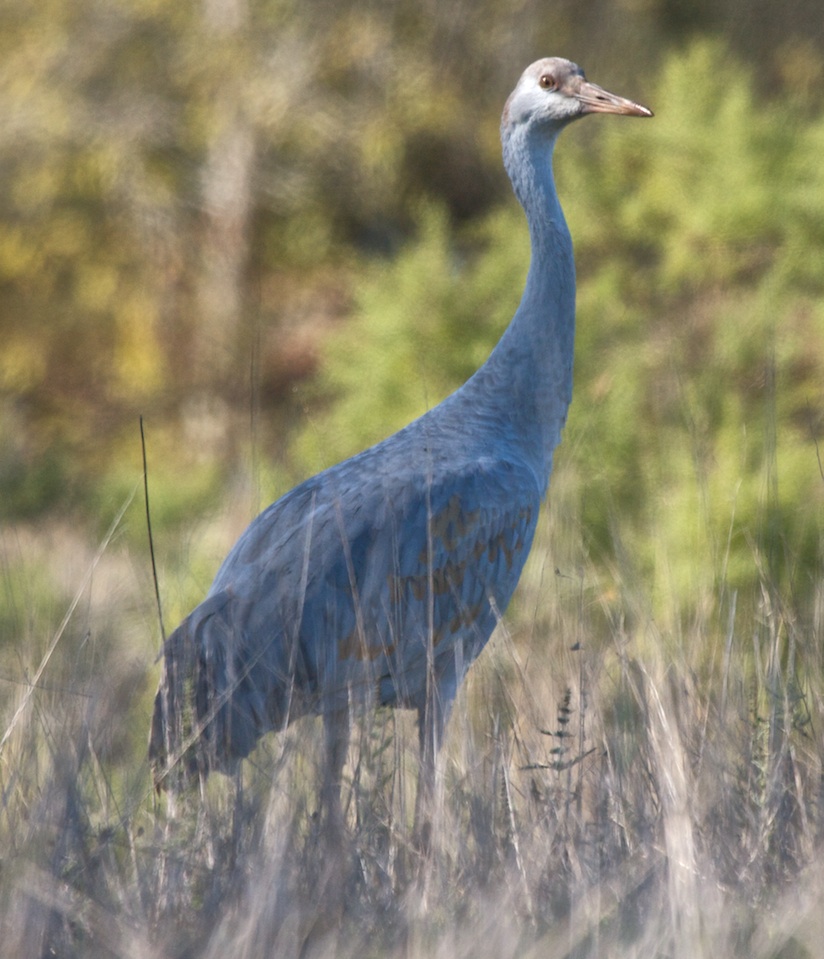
(528, 377)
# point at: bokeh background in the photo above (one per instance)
(277, 231)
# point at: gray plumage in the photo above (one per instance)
(379, 581)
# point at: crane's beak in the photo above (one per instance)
(595, 99)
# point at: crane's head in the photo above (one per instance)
(553, 91)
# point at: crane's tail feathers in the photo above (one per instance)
(173, 754)
(207, 716)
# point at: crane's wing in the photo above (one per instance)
(346, 588)
(424, 581)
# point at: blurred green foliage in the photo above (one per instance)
(422, 324)
(279, 231)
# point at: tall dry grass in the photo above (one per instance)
(617, 780)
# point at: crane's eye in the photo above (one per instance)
(548, 82)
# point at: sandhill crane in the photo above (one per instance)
(380, 580)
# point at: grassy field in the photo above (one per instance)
(616, 780)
